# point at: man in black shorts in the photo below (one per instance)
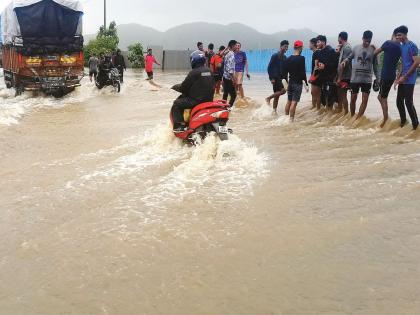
(276, 74)
(392, 54)
(216, 67)
(365, 64)
(93, 67)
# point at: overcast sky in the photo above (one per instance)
(268, 16)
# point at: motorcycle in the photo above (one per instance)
(204, 119)
(111, 77)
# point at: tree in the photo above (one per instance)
(135, 55)
(106, 42)
(111, 31)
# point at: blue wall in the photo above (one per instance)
(258, 59)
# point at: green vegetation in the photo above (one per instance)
(135, 55)
(106, 42)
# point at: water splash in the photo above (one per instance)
(215, 171)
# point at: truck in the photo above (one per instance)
(42, 46)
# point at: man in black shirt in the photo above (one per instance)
(276, 74)
(295, 69)
(314, 87)
(325, 71)
(197, 88)
(209, 54)
(119, 63)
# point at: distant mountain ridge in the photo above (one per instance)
(187, 35)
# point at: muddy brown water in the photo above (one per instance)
(103, 211)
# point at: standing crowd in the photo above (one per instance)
(333, 74)
(336, 71)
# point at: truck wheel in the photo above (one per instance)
(58, 94)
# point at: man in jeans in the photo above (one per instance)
(408, 77)
(365, 64)
(229, 88)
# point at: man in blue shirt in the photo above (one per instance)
(276, 75)
(407, 80)
(392, 54)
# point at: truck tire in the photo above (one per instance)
(59, 93)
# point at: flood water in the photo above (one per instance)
(103, 211)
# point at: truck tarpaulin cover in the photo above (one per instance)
(55, 24)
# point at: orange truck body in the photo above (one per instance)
(50, 73)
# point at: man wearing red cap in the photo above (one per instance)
(295, 69)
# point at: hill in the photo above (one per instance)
(187, 35)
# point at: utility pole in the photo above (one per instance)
(104, 15)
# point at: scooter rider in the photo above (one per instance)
(104, 67)
(197, 88)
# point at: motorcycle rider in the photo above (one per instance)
(119, 63)
(197, 88)
(104, 67)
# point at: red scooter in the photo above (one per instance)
(206, 118)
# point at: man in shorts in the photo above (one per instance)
(276, 74)
(295, 69)
(150, 60)
(241, 64)
(216, 67)
(93, 67)
(391, 55)
(365, 64)
(344, 74)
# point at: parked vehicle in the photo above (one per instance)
(42, 46)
